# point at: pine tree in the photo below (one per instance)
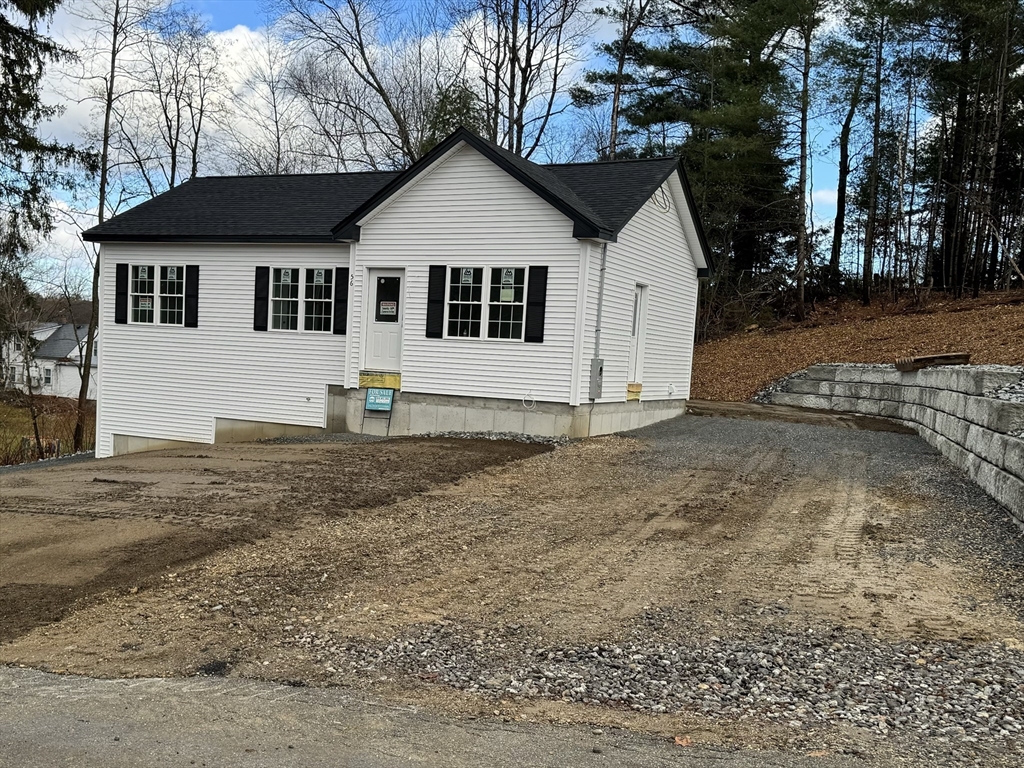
(30, 166)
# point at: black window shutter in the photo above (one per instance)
(261, 304)
(536, 297)
(435, 302)
(340, 300)
(121, 293)
(192, 296)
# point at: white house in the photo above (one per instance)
(489, 292)
(54, 367)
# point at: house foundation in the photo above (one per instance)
(417, 414)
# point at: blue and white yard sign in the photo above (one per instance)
(379, 399)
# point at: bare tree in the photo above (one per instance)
(115, 27)
(264, 127)
(519, 52)
(161, 122)
(378, 68)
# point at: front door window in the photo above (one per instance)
(389, 293)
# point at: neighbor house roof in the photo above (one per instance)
(62, 343)
(600, 198)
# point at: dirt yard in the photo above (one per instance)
(73, 532)
(429, 571)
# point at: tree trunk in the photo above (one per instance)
(78, 440)
(870, 226)
(844, 175)
(801, 231)
(949, 253)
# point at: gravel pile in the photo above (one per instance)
(334, 437)
(779, 385)
(516, 437)
(964, 698)
(353, 437)
(1013, 393)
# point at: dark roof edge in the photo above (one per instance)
(695, 216)
(101, 237)
(583, 226)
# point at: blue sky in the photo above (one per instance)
(227, 14)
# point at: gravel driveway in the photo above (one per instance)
(759, 584)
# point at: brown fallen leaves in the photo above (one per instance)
(736, 367)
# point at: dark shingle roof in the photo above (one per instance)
(300, 208)
(599, 197)
(615, 190)
(62, 343)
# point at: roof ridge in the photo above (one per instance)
(285, 175)
(611, 162)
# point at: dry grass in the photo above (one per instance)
(56, 422)
(734, 368)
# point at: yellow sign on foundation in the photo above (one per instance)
(380, 379)
(633, 391)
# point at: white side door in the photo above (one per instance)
(384, 317)
(637, 335)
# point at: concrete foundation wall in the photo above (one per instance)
(946, 405)
(122, 444)
(416, 414)
(241, 431)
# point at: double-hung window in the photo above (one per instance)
(317, 304)
(465, 301)
(501, 314)
(284, 306)
(506, 303)
(172, 295)
(142, 293)
(301, 293)
(157, 294)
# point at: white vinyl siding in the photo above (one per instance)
(467, 212)
(170, 382)
(651, 250)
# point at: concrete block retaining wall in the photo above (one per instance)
(948, 407)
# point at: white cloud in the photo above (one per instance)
(825, 197)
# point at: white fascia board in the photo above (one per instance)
(686, 215)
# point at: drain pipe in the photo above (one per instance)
(600, 300)
(596, 363)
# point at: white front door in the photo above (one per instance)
(636, 338)
(384, 318)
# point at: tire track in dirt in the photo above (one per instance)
(846, 572)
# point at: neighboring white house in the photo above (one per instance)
(489, 292)
(55, 368)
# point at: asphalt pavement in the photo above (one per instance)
(56, 720)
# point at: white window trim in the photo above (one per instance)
(301, 325)
(486, 305)
(157, 297)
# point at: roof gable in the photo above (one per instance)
(546, 184)
(64, 341)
